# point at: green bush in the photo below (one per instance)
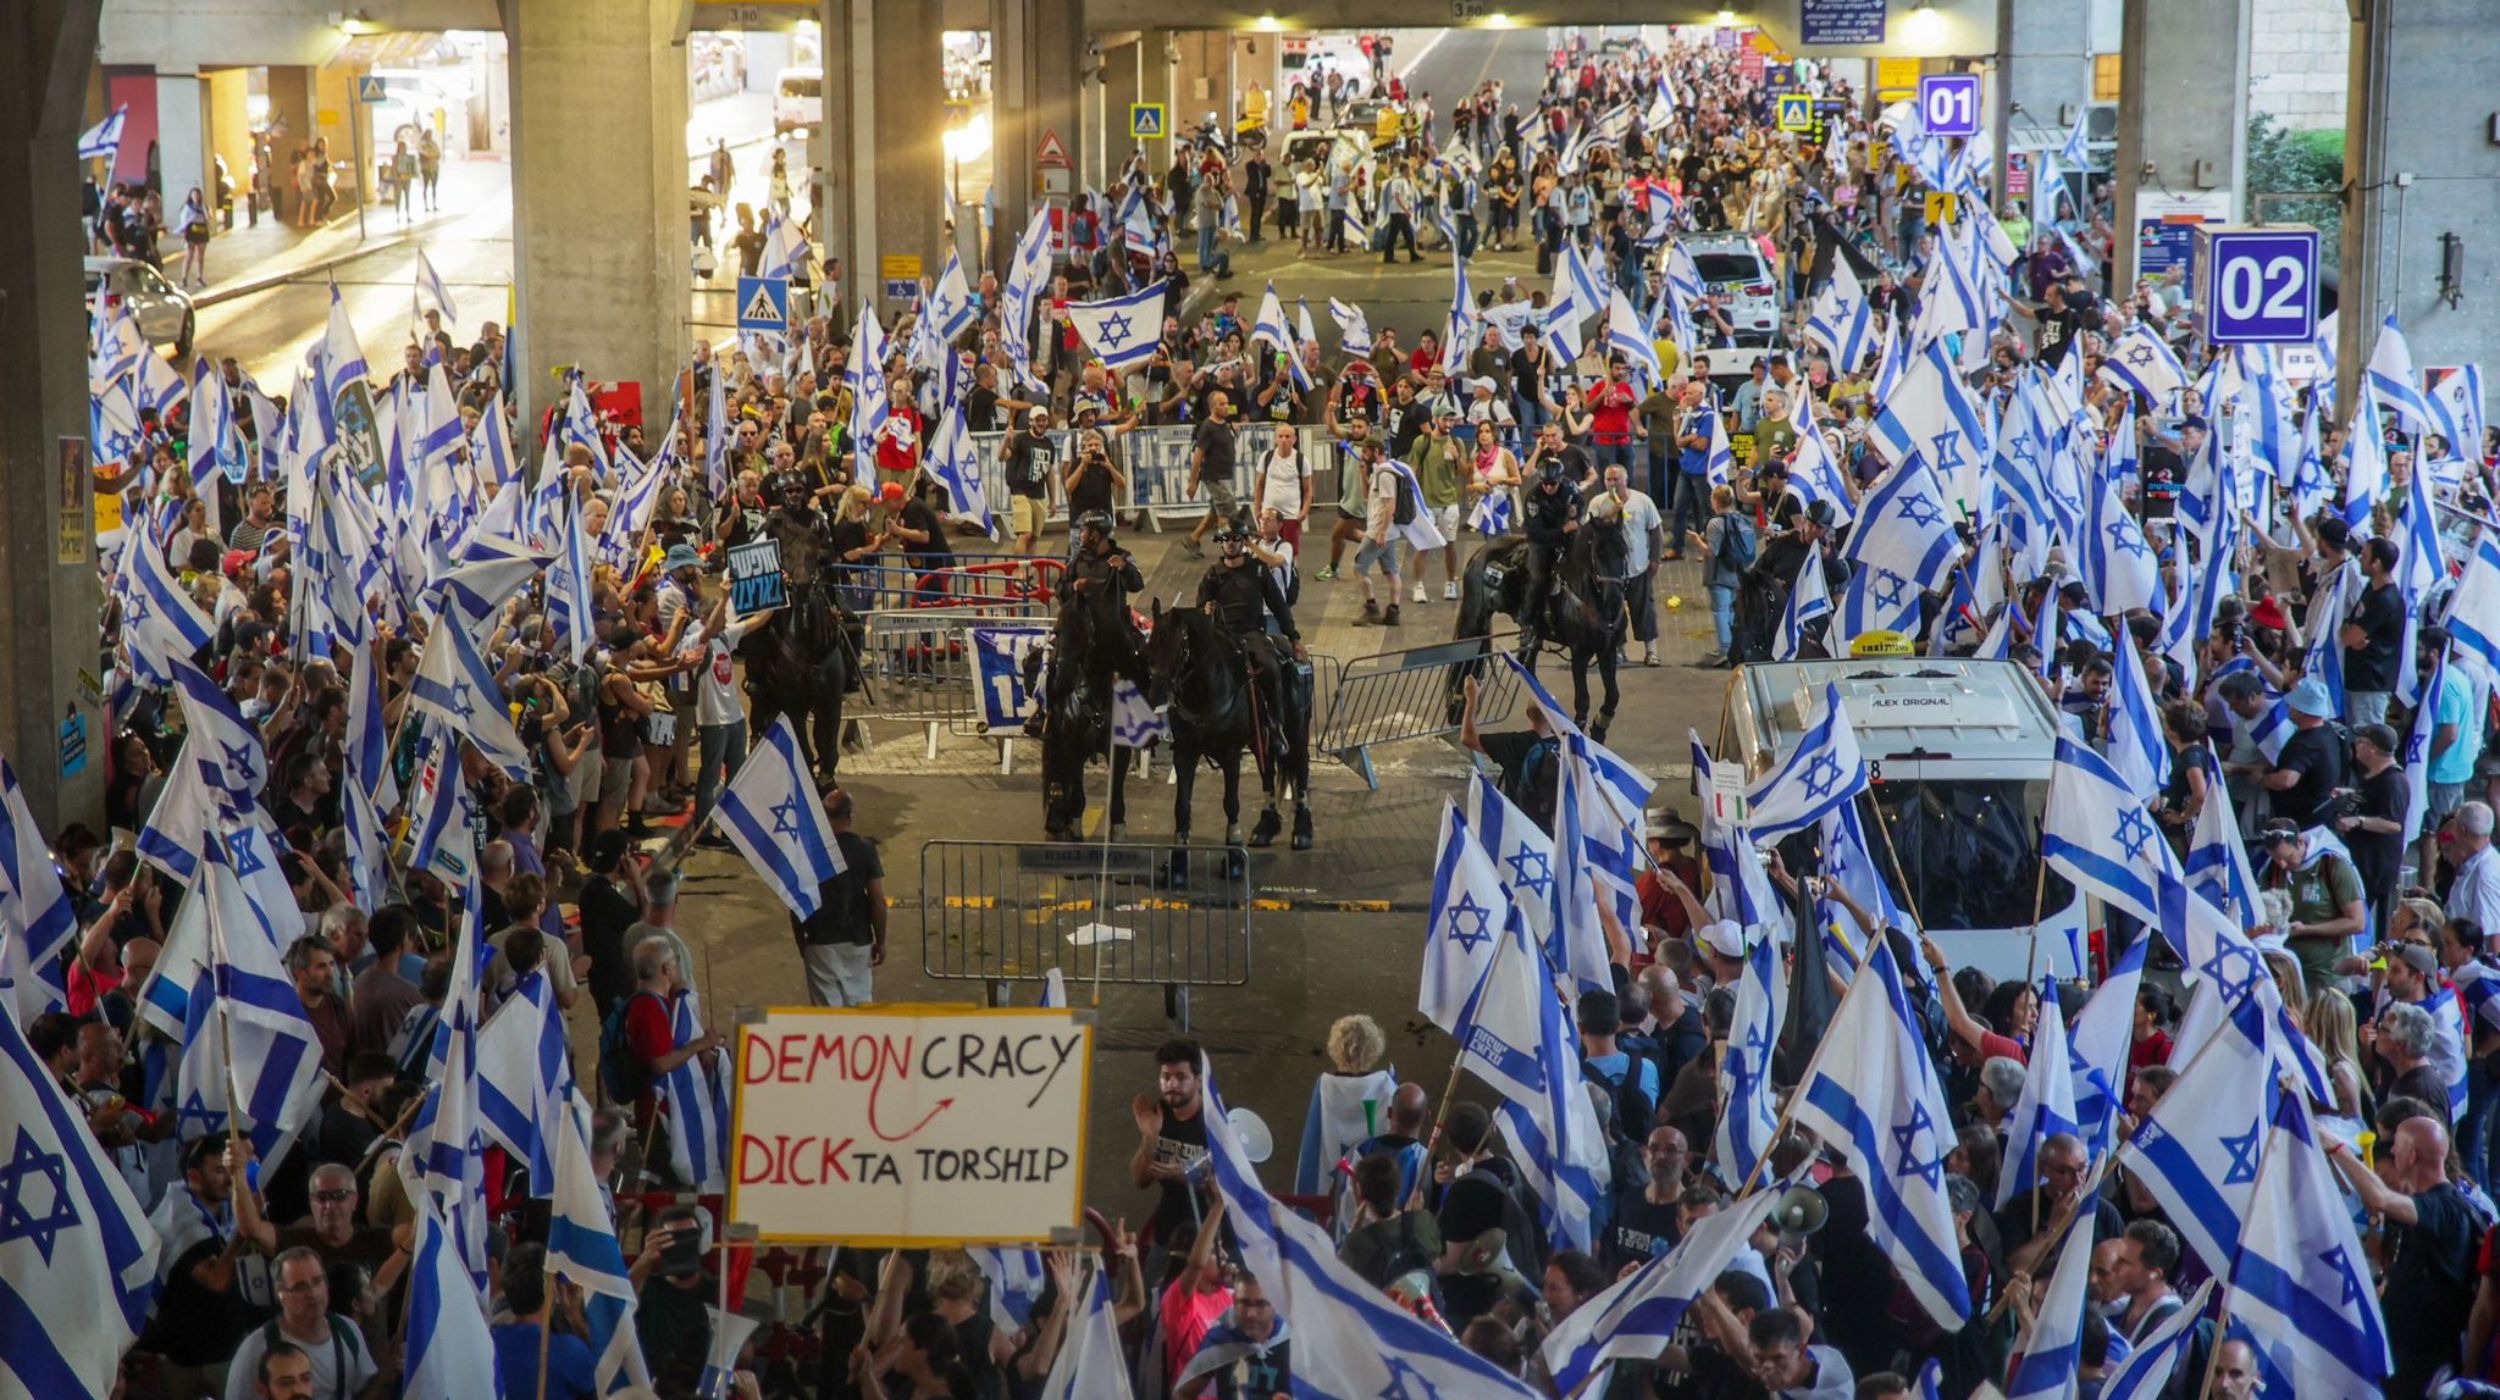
(2308, 166)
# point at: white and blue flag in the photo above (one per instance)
(525, 1078)
(2300, 1283)
(1843, 319)
(1469, 910)
(225, 744)
(1809, 602)
(2104, 1034)
(2392, 379)
(451, 1351)
(1906, 526)
(2052, 1352)
(454, 684)
(1518, 1037)
(1121, 331)
(1874, 599)
(1636, 1317)
(1091, 1364)
(2139, 752)
(2046, 1106)
(432, 284)
(582, 1249)
(2197, 1152)
(1354, 332)
(1824, 771)
(1749, 1122)
(103, 141)
(1523, 858)
(37, 920)
(2145, 1372)
(1871, 1094)
(695, 1096)
(2142, 362)
(1931, 414)
(771, 812)
(2119, 569)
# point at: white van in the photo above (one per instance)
(1960, 752)
(798, 99)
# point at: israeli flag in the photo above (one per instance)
(2300, 1284)
(1516, 1036)
(432, 284)
(2103, 1037)
(1905, 525)
(1930, 414)
(582, 1249)
(1809, 602)
(159, 387)
(2197, 1152)
(2456, 410)
(1740, 887)
(341, 358)
(1349, 1337)
(1134, 723)
(1353, 331)
(244, 1029)
(1749, 1122)
(1469, 910)
(103, 141)
(2138, 751)
(2391, 379)
(1091, 1364)
(446, 1153)
(1121, 331)
(454, 684)
(1874, 600)
(525, 1077)
(569, 601)
(1720, 459)
(957, 466)
(445, 839)
(1637, 1317)
(1270, 329)
(1522, 855)
(770, 811)
(1628, 336)
(451, 1352)
(1026, 278)
(1843, 318)
(2145, 1372)
(1492, 516)
(2365, 467)
(2097, 833)
(81, 1256)
(159, 620)
(1823, 772)
(2046, 1106)
(696, 1098)
(1871, 1094)
(2142, 362)
(2417, 747)
(226, 744)
(37, 920)
(1815, 476)
(2052, 1358)
(2474, 608)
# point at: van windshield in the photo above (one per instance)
(1716, 268)
(1971, 850)
(802, 87)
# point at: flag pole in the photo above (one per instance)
(2040, 887)
(546, 1331)
(1788, 1114)
(1458, 1063)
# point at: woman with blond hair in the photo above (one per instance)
(2329, 1023)
(1349, 1103)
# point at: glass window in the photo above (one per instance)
(1717, 268)
(1971, 850)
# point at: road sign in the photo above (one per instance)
(371, 91)
(1895, 77)
(900, 267)
(1796, 111)
(1145, 121)
(1051, 152)
(1950, 103)
(2257, 286)
(1942, 208)
(764, 304)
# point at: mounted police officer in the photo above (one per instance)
(1550, 511)
(1242, 593)
(1100, 580)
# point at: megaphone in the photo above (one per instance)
(1801, 1210)
(1257, 1142)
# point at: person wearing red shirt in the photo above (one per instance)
(1427, 354)
(898, 439)
(1664, 908)
(650, 1030)
(1610, 413)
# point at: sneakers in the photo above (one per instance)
(1420, 595)
(1390, 618)
(1449, 592)
(1649, 656)
(1196, 550)
(1371, 613)
(1327, 573)
(1713, 660)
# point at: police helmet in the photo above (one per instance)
(1098, 521)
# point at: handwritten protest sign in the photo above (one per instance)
(910, 1126)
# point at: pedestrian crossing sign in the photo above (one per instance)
(1796, 111)
(1145, 121)
(370, 91)
(763, 303)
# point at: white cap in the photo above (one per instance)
(1726, 938)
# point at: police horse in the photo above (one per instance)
(1077, 687)
(1584, 614)
(1200, 669)
(802, 662)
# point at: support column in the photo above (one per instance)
(2421, 165)
(1158, 80)
(47, 535)
(910, 144)
(2182, 115)
(1123, 82)
(1035, 88)
(2044, 66)
(600, 263)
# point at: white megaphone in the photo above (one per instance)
(1251, 1131)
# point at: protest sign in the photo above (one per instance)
(755, 581)
(910, 1126)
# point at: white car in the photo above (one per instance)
(162, 309)
(798, 99)
(1734, 266)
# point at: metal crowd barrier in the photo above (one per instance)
(1412, 694)
(1155, 462)
(1002, 912)
(919, 666)
(1011, 581)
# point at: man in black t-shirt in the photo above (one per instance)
(1025, 459)
(1172, 1133)
(2373, 635)
(2060, 323)
(1211, 453)
(1530, 761)
(2311, 764)
(845, 938)
(2375, 831)
(1647, 1220)
(2431, 1232)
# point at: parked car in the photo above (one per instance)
(798, 99)
(163, 310)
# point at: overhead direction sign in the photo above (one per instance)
(1950, 103)
(2257, 286)
(764, 304)
(1145, 121)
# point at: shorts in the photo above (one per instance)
(1220, 498)
(2440, 803)
(616, 777)
(1377, 552)
(1026, 515)
(1289, 529)
(1446, 518)
(838, 974)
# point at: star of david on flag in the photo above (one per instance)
(1824, 771)
(770, 812)
(453, 683)
(1121, 331)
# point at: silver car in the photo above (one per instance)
(163, 310)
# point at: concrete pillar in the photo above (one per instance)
(2421, 165)
(1035, 88)
(601, 269)
(1123, 82)
(2044, 66)
(2182, 115)
(230, 127)
(1158, 80)
(48, 592)
(182, 139)
(910, 144)
(341, 122)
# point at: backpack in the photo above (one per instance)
(1635, 1115)
(1736, 542)
(1406, 506)
(622, 1077)
(1398, 1252)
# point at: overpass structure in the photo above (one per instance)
(597, 108)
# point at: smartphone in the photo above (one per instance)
(684, 1254)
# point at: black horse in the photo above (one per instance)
(1077, 701)
(1200, 668)
(801, 662)
(1585, 614)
